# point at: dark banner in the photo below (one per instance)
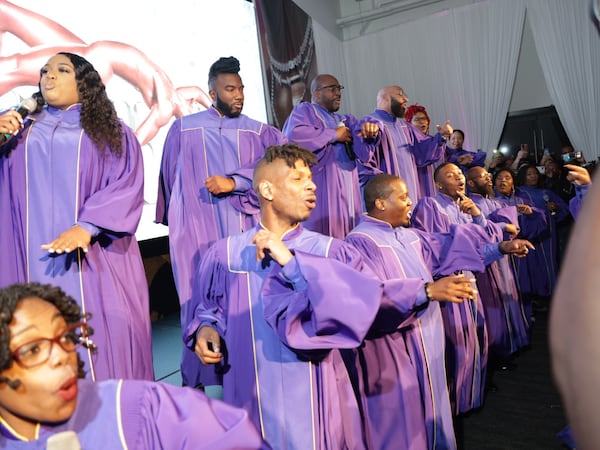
(288, 51)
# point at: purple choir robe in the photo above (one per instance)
(282, 329)
(132, 414)
(452, 156)
(533, 227)
(199, 146)
(399, 150)
(543, 276)
(464, 323)
(409, 362)
(52, 178)
(426, 182)
(339, 202)
(507, 325)
(576, 202)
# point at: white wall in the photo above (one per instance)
(530, 90)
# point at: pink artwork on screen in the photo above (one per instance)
(45, 37)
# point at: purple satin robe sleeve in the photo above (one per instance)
(269, 135)
(307, 130)
(367, 151)
(243, 198)
(533, 226)
(208, 294)
(371, 152)
(158, 415)
(336, 306)
(425, 148)
(427, 216)
(505, 215)
(462, 248)
(117, 207)
(576, 202)
(168, 167)
(363, 147)
(478, 157)
(414, 297)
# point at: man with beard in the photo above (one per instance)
(318, 127)
(504, 314)
(399, 148)
(205, 185)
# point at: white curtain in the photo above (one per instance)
(568, 45)
(328, 49)
(459, 64)
(487, 40)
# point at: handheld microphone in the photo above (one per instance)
(347, 145)
(26, 107)
(65, 440)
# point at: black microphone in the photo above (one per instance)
(26, 107)
(347, 145)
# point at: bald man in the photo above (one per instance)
(399, 147)
(332, 137)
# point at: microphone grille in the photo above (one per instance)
(30, 104)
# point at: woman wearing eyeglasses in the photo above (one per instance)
(45, 405)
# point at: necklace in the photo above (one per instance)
(292, 71)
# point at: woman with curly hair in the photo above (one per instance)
(71, 196)
(44, 404)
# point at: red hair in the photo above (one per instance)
(413, 109)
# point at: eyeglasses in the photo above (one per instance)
(37, 352)
(333, 88)
(482, 176)
(419, 119)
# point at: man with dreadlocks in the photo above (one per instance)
(205, 186)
